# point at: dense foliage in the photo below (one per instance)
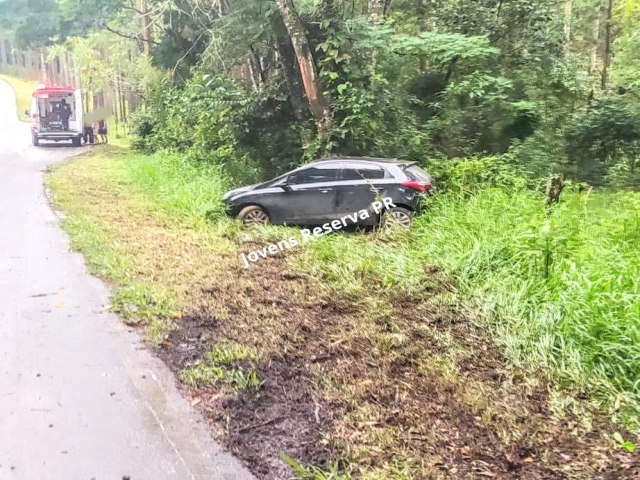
(263, 85)
(415, 80)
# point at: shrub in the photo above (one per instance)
(602, 135)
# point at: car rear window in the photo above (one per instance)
(362, 172)
(414, 172)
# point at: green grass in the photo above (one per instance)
(559, 288)
(221, 367)
(23, 90)
(89, 214)
(186, 193)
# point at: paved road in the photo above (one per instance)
(80, 396)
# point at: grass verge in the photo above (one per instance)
(558, 287)
(369, 356)
(23, 90)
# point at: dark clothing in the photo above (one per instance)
(64, 112)
(88, 135)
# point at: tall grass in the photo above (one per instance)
(23, 90)
(559, 287)
(188, 192)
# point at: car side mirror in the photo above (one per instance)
(284, 185)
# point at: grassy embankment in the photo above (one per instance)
(421, 354)
(23, 90)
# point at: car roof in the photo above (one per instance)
(363, 159)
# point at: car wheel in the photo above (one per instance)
(76, 142)
(253, 215)
(397, 216)
(35, 141)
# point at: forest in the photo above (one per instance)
(499, 337)
(544, 87)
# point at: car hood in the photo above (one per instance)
(237, 191)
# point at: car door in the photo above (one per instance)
(358, 186)
(309, 197)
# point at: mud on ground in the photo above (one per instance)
(383, 386)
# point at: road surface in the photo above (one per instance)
(80, 396)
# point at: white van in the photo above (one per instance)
(56, 115)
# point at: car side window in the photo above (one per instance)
(362, 172)
(318, 174)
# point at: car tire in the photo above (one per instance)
(253, 215)
(397, 216)
(76, 142)
(35, 140)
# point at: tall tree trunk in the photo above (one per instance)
(255, 62)
(147, 26)
(318, 105)
(123, 99)
(568, 17)
(43, 67)
(608, 40)
(292, 76)
(595, 40)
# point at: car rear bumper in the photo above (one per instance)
(57, 136)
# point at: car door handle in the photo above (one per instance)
(326, 190)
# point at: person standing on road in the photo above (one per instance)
(102, 131)
(64, 112)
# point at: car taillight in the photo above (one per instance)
(418, 185)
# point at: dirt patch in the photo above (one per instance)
(416, 388)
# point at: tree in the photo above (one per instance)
(318, 105)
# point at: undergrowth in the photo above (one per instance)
(559, 287)
(556, 286)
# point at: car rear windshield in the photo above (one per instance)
(414, 172)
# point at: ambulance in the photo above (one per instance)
(56, 115)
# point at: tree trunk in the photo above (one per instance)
(257, 73)
(147, 27)
(292, 76)
(318, 105)
(123, 99)
(595, 40)
(608, 53)
(568, 17)
(43, 67)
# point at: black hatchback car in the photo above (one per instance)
(331, 188)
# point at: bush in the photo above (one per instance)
(465, 176)
(601, 136)
(215, 120)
